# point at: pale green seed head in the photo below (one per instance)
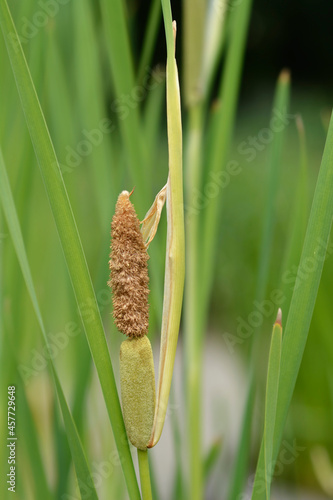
(137, 380)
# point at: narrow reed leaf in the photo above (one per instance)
(149, 42)
(215, 35)
(32, 448)
(242, 456)
(152, 122)
(263, 477)
(62, 118)
(121, 64)
(272, 386)
(222, 127)
(153, 112)
(306, 287)
(11, 217)
(61, 449)
(178, 486)
(304, 296)
(280, 106)
(193, 41)
(193, 327)
(303, 200)
(82, 469)
(212, 457)
(70, 241)
(299, 215)
(175, 252)
(197, 78)
(79, 459)
(91, 107)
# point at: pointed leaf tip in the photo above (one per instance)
(285, 76)
(278, 320)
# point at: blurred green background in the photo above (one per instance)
(67, 53)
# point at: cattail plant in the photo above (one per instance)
(143, 417)
(81, 170)
(129, 282)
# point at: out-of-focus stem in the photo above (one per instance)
(193, 325)
(194, 15)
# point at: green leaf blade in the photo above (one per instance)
(304, 296)
(70, 241)
(80, 462)
(83, 473)
(272, 386)
(280, 104)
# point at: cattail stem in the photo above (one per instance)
(144, 475)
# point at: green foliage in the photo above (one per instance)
(79, 459)
(83, 99)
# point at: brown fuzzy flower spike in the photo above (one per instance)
(129, 270)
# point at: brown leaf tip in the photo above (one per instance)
(129, 270)
(278, 320)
